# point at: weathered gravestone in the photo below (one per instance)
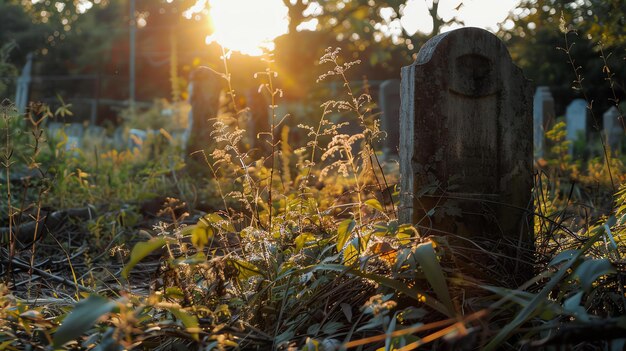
(576, 122)
(204, 98)
(466, 149)
(613, 129)
(389, 100)
(543, 116)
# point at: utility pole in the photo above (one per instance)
(131, 80)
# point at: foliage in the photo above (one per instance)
(298, 247)
(581, 30)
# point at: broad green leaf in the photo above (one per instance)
(375, 204)
(343, 232)
(217, 221)
(201, 235)
(609, 234)
(572, 305)
(302, 239)
(140, 251)
(174, 292)
(563, 256)
(390, 329)
(427, 259)
(350, 254)
(198, 257)
(590, 270)
(82, 318)
(405, 233)
(246, 269)
(331, 328)
(347, 311)
(189, 321)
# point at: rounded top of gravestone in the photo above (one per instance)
(390, 83)
(578, 102)
(463, 41)
(612, 111)
(470, 62)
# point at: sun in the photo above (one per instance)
(247, 26)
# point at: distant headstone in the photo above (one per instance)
(613, 128)
(95, 132)
(466, 147)
(119, 139)
(74, 132)
(543, 115)
(576, 122)
(389, 100)
(205, 95)
(23, 85)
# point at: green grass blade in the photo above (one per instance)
(427, 259)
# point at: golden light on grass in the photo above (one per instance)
(247, 26)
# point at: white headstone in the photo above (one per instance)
(23, 85)
(576, 121)
(543, 115)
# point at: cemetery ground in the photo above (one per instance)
(295, 244)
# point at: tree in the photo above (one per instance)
(543, 28)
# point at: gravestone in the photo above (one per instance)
(119, 139)
(23, 85)
(204, 98)
(389, 100)
(543, 116)
(576, 122)
(74, 132)
(466, 154)
(613, 129)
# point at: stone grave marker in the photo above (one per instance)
(466, 148)
(119, 140)
(576, 122)
(389, 100)
(74, 132)
(613, 129)
(543, 116)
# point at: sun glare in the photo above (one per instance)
(247, 26)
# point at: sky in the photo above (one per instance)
(248, 25)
